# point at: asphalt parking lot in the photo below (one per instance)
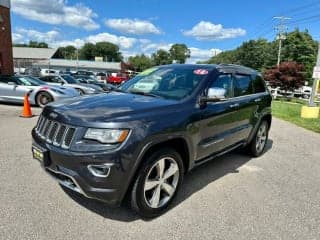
(276, 196)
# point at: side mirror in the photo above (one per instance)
(215, 94)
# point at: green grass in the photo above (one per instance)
(291, 112)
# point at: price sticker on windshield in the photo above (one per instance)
(200, 72)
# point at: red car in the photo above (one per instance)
(117, 78)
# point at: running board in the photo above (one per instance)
(204, 160)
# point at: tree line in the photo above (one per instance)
(299, 53)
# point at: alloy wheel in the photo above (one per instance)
(161, 182)
(261, 137)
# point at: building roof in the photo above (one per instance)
(5, 3)
(33, 53)
(81, 64)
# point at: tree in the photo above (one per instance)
(68, 52)
(301, 48)
(32, 44)
(109, 51)
(161, 57)
(253, 53)
(179, 52)
(288, 76)
(224, 57)
(87, 52)
(141, 62)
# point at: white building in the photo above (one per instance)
(25, 57)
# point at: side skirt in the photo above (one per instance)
(211, 157)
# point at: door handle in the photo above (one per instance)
(234, 105)
(258, 100)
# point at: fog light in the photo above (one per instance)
(102, 170)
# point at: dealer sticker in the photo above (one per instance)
(200, 72)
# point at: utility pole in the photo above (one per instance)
(316, 77)
(281, 28)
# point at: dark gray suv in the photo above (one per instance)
(140, 140)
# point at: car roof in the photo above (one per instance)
(224, 68)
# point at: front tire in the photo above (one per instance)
(43, 98)
(157, 183)
(260, 139)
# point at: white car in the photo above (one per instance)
(14, 88)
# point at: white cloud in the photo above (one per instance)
(53, 38)
(198, 54)
(212, 32)
(132, 26)
(25, 35)
(17, 38)
(121, 41)
(156, 46)
(56, 12)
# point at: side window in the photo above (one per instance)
(46, 79)
(55, 80)
(4, 79)
(258, 84)
(242, 85)
(223, 83)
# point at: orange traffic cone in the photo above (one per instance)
(26, 112)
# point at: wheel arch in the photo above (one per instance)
(268, 117)
(179, 144)
(37, 94)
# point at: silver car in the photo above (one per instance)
(67, 80)
(14, 88)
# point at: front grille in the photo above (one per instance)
(54, 132)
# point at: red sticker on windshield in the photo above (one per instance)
(200, 71)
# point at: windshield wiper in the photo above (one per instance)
(144, 93)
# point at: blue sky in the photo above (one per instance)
(143, 26)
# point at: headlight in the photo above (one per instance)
(107, 135)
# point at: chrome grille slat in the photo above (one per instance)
(43, 127)
(54, 132)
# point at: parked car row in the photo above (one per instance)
(49, 88)
(14, 88)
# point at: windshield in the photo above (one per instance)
(69, 79)
(30, 81)
(170, 82)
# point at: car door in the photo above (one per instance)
(21, 88)
(218, 120)
(247, 105)
(6, 90)
(12, 89)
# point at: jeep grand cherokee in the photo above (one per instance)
(140, 140)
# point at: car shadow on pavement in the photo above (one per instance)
(194, 181)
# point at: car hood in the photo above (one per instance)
(105, 107)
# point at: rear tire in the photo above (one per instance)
(260, 139)
(43, 98)
(157, 183)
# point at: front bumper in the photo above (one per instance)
(70, 169)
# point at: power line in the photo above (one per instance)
(265, 28)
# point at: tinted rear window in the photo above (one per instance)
(258, 85)
(242, 85)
